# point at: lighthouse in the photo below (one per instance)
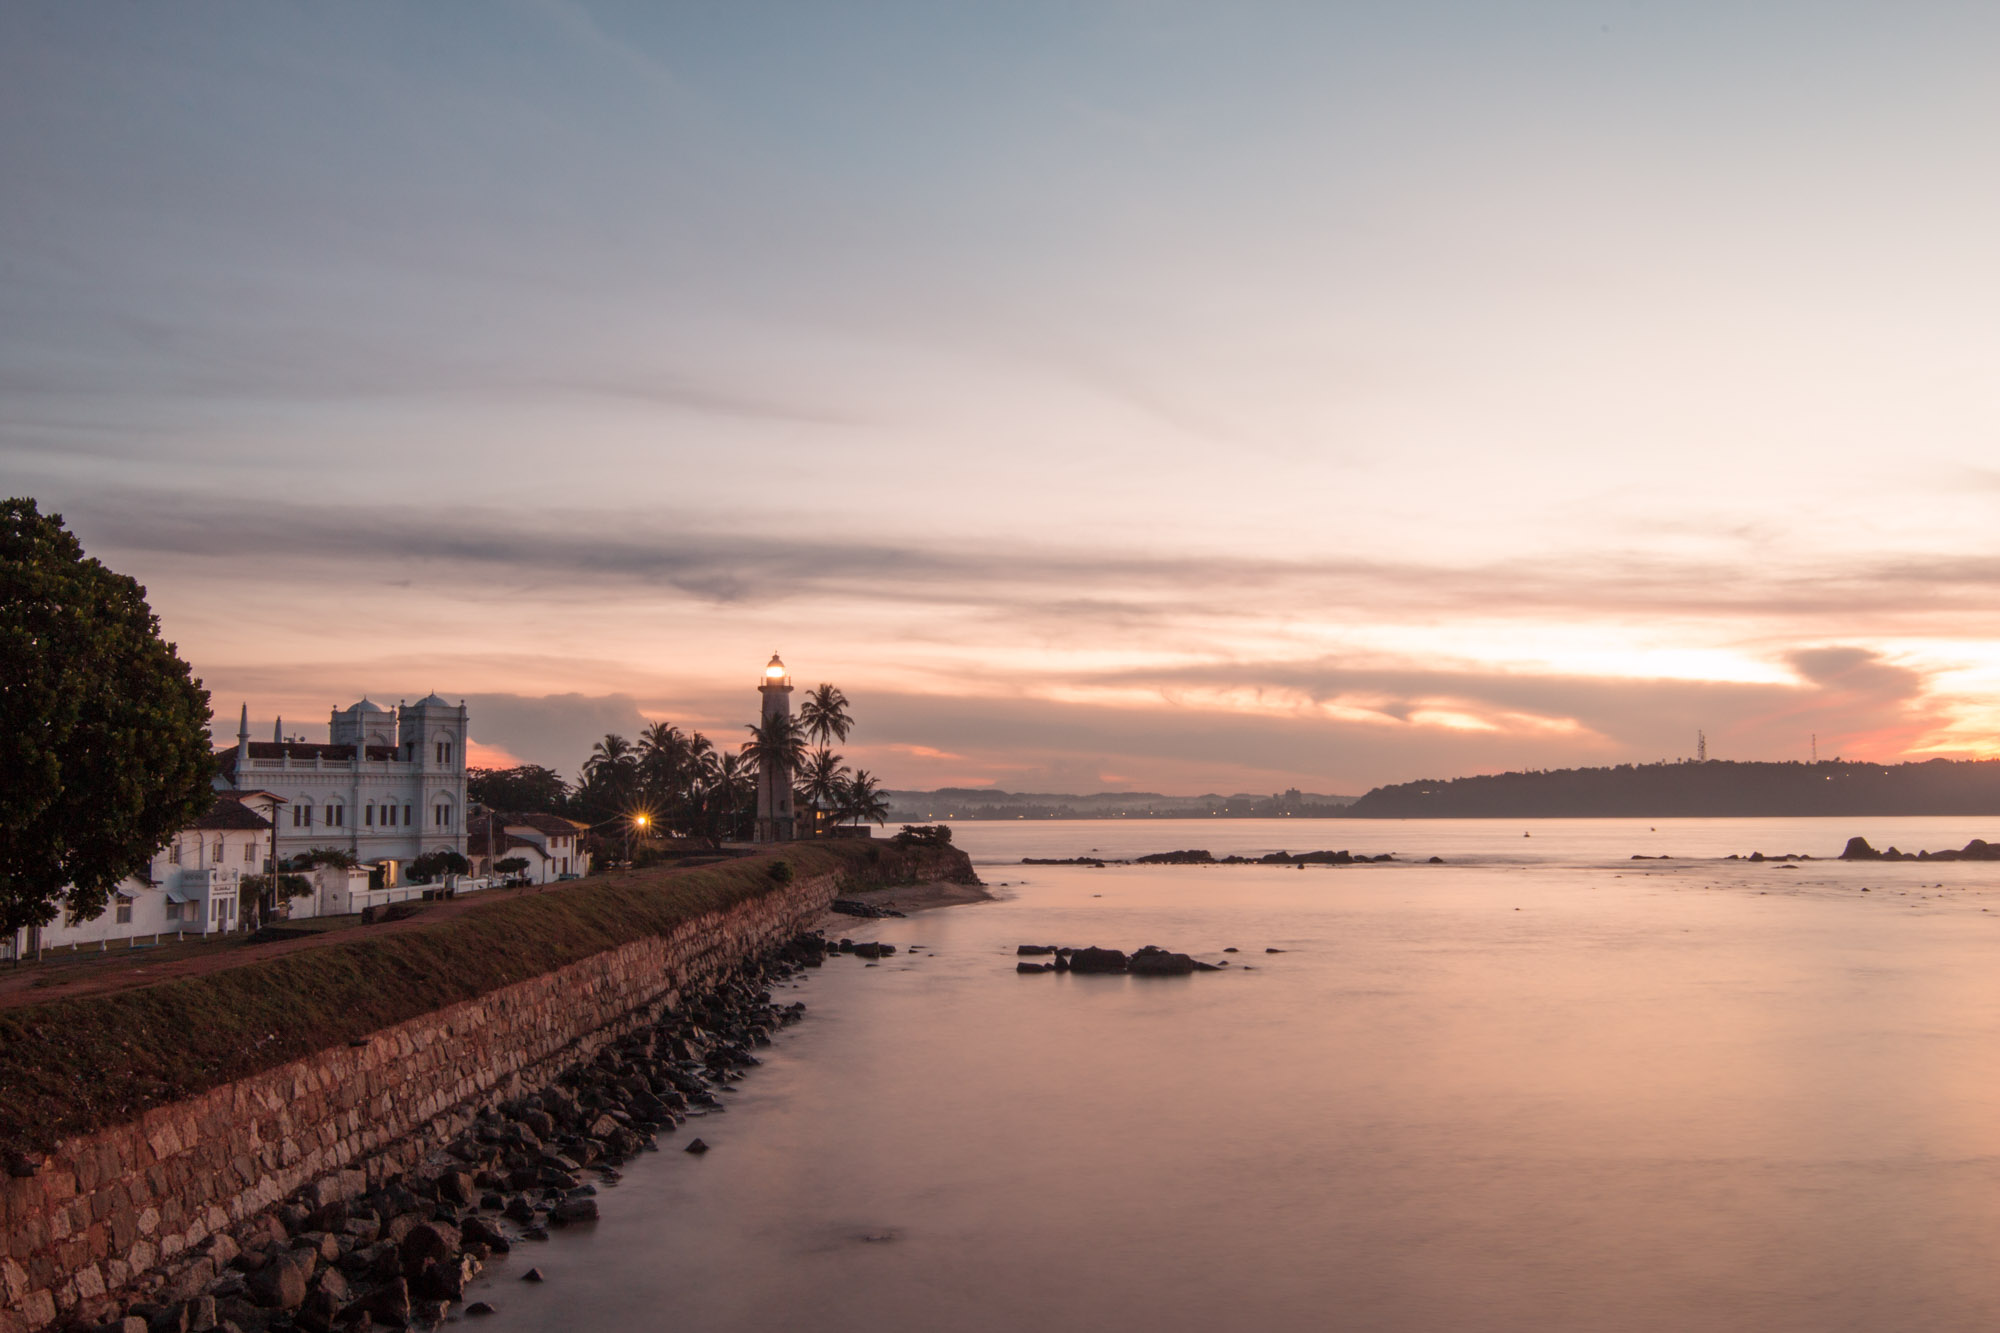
(774, 784)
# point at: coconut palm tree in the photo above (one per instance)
(820, 783)
(777, 747)
(825, 715)
(862, 799)
(662, 757)
(609, 776)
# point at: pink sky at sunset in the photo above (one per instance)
(1170, 397)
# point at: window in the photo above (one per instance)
(216, 858)
(173, 910)
(249, 853)
(124, 911)
(302, 816)
(336, 816)
(174, 853)
(406, 815)
(368, 815)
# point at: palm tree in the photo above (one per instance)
(861, 798)
(824, 713)
(820, 784)
(776, 749)
(662, 756)
(609, 776)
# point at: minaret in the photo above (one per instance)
(774, 786)
(243, 751)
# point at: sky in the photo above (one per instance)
(1124, 395)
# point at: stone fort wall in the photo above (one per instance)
(109, 1206)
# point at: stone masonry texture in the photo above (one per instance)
(151, 1196)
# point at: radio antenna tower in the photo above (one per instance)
(1701, 747)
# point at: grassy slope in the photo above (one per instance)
(71, 1066)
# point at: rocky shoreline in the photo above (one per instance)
(1196, 856)
(403, 1254)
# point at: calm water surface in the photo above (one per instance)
(1542, 1086)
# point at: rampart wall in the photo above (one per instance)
(148, 1195)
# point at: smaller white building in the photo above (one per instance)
(551, 845)
(193, 886)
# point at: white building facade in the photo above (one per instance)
(193, 886)
(384, 787)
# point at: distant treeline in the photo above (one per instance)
(992, 803)
(1706, 789)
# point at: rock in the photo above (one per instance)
(1098, 960)
(318, 1312)
(427, 1242)
(201, 1314)
(279, 1284)
(387, 1304)
(1231, 950)
(21, 1165)
(1274, 951)
(478, 1308)
(482, 1232)
(1153, 961)
(1857, 849)
(1034, 967)
(1435, 861)
(533, 1275)
(455, 1187)
(520, 1210)
(873, 950)
(695, 1146)
(444, 1279)
(572, 1211)
(1029, 950)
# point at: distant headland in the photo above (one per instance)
(1714, 788)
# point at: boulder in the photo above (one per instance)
(427, 1242)
(571, 1211)
(1098, 960)
(1034, 967)
(279, 1284)
(387, 1304)
(1153, 961)
(1857, 849)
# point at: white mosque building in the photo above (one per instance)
(383, 787)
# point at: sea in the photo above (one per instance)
(1542, 1085)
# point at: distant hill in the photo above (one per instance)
(1700, 788)
(911, 807)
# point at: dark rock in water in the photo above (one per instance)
(1028, 950)
(571, 1211)
(1200, 966)
(1034, 967)
(1435, 861)
(695, 1146)
(533, 1275)
(1062, 960)
(1064, 861)
(1274, 951)
(1231, 949)
(873, 950)
(1098, 960)
(520, 1210)
(478, 1308)
(1857, 849)
(1153, 961)
(1191, 857)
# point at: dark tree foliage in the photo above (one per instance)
(1701, 789)
(529, 789)
(924, 835)
(432, 865)
(104, 746)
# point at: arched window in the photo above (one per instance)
(302, 813)
(336, 815)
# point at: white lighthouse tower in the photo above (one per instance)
(774, 784)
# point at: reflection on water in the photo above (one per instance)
(1579, 1094)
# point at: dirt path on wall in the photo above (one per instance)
(64, 975)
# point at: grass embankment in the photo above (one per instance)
(75, 1065)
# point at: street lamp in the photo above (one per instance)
(639, 823)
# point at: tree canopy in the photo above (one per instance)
(103, 728)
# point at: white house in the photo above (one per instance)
(551, 845)
(191, 887)
(382, 788)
